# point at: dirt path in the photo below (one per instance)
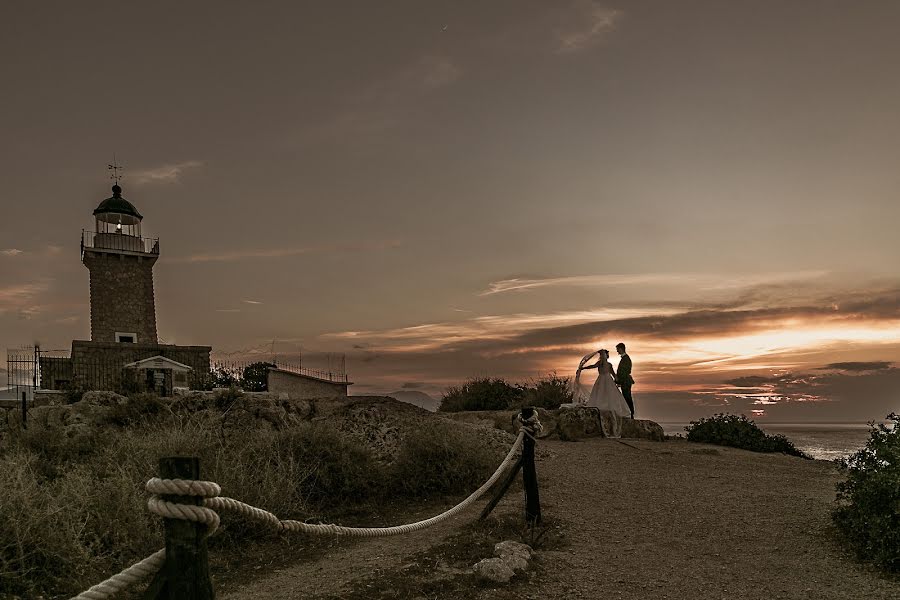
(348, 560)
(656, 520)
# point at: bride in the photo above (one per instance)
(604, 395)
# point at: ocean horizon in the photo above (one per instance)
(822, 441)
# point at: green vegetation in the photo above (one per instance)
(738, 431)
(251, 378)
(548, 392)
(487, 393)
(868, 515)
(73, 507)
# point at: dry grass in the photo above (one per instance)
(72, 509)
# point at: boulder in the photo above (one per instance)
(274, 415)
(513, 549)
(579, 422)
(510, 557)
(103, 399)
(85, 413)
(494, 569)
(642, 429)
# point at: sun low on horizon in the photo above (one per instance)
(490, 191)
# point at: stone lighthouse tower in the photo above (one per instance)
(120, 262)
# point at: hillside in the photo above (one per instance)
(417, 398)
(643, 520)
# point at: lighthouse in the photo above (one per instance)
(120, 262)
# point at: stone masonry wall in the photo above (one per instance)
(298, 386)
(98, 362)
(121, 296)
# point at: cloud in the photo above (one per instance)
(593, 21)
(169, 173)
(251, 301)
(11, 252)
(860, 367)
(723, 354)
(16, 296)
(703, 281)
(228, 310)
(285, 252)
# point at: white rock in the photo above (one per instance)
(494, 569)
(513, 549)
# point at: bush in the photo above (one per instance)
(738, 432)
(255, 377)
(441, 458)
(548, 392)
(868, 518)
(482, 394)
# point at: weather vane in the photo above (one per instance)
(115, 168)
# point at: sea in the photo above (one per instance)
(822, 441)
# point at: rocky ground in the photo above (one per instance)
(644, 520)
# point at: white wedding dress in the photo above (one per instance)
(605, 396)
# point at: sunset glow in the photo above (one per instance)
(497, 197)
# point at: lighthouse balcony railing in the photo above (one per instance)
(118, 242)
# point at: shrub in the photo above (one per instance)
(482, 394)
(738, 432)
(255, 377)
(441, 458)
(868, 515)
(548, 392)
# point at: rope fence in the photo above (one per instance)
(209, 503)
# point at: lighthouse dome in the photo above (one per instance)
(117, 209)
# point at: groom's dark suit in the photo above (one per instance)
(625, 380)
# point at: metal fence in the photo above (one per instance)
(227, 372)
(33, 368)
(119, 242)
(22, 375)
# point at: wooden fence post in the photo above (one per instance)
(501, 491)
(186, 572)
(529, 477)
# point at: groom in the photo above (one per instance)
(623, 376)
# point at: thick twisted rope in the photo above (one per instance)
(212, 502)
(170, 510)
(232, 505)
(133, 574)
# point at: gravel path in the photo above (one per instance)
(650, 520)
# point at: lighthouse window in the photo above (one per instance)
(126, 338)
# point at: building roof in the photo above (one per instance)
(158, 362)
(117, 204)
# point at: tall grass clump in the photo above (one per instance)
(738, 431)
(73, 503)
(868, 512)
(73, 510)
(442, 458)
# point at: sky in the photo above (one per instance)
(445, 190)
